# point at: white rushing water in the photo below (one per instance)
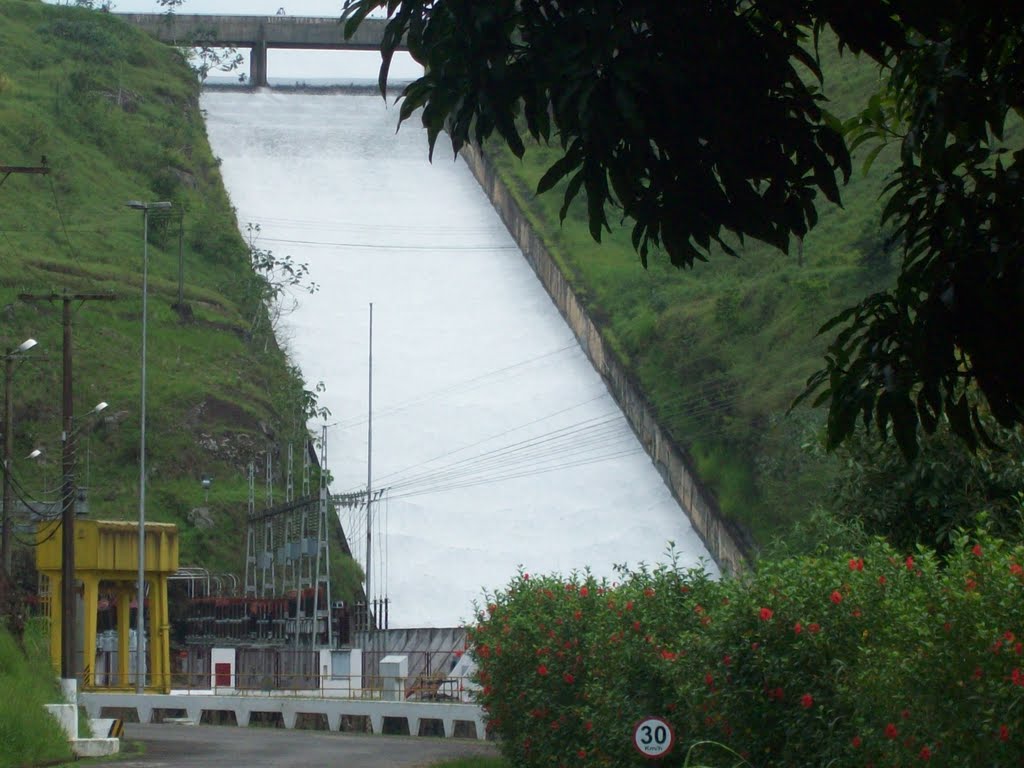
(498, 442)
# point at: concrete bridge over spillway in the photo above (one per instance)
(258, 33)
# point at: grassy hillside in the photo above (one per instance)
(117, 118)
(28, 736)
(722, 350)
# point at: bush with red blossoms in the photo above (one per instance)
(841, 658)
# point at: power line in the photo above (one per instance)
(461, 385)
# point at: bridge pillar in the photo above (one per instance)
(258, 65)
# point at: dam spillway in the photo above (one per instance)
(498, 442)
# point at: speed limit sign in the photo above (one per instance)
(653, 737)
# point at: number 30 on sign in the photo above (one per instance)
(653, 737)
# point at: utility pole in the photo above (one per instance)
(7, 170)
(369, 475)
(67, 628)
(9, 360)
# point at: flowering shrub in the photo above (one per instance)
(869, 658)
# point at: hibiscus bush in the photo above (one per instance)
(860, 658)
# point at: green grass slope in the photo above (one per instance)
(28, 736)
(116, 116)
(722, 350)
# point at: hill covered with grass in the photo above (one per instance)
(115, 117)
(722, 350)
(28, 735)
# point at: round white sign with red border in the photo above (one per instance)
(653, 737)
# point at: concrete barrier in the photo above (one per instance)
(67, 716)
(243, 707)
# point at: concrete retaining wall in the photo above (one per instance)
(290, 708)
(728, 544)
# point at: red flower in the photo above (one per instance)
(798, 628)
(542, 670)
(856, 564)
(835, 597)
(569, 679)
(1016, 569)
(709, 679)
(947, 627)
(629, 605)
(581, 754)
(577, 615)
(882, 580)
(457, 653)
(976, 550)
(648, 591)
(909, 562)
(855, 742)
(526, 577)
(1004, 733)
(905, 714)
(584, 591)
(807, 701)
(588, 725)
(727, 659)
(766, 614)
(926, 753)
(668, 655)
(636, 626)
(491, 608)
(814, 628)
(891, 732)
(1017, 677)
(971, 585)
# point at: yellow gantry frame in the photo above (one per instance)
(108, 551)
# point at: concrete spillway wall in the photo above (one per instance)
(730, 546)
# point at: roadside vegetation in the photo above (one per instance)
(115, 117)
(28, 736)
(858, 654)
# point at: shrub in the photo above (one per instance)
(833, 658)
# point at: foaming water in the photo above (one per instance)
(498, 442)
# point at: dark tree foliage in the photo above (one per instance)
(703, 121)
(955, 319)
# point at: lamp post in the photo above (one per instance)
(9, 360)
(140, 624)
(67, 516)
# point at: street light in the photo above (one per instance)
(140, 625)
(67, 560)
(9, 359)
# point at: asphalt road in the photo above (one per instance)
(204, 746)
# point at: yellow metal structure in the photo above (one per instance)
(107, 556)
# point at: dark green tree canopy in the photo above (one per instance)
(703, 122)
